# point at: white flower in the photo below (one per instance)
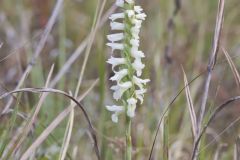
(119, 75)
(135, 32)
(134, 42)
(140, 82)
(130, 13)
(116, 46)
(136, 53)
(115, 37)
(117, 26)
(131, 107)
(126, 26)
(137, 22)
(138, 66)
(117, 110)
(138, 9)
(120, 88)
(141, 16)
(116, 61)
(140, 94)
(115, 16)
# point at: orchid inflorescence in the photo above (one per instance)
(127, 66)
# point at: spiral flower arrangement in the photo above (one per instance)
(126, 59)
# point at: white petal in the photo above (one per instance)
(120, 88)
(139, 82)
(116, 46)
(115, 108)
(115, 118)
(141, 16)
(137, 23)
(130, 13)
(115, 37)
(120, 3)
(138, 9)
(131, 107)
(131, 111)
(115, 16)
(140, 94)
(140, 97)
(132, 101)
(119, 75)
(116, 61)
(138, 66)
(134, 42)
(135, 32)
(118, 94)
(125, 85)
(115, 87)
(117, 26)
(136, 53)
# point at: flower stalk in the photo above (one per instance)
(128, 140)
(126, 61)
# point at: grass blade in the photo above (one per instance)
(39, 49)
(26, 129)
(166, 138)
(190, 105)
(67, 136)
(237, 149)
(57, 120)
(219, 151)
(233, 67)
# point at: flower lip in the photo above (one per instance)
(119, 75)
(120, 88)
(139, 82)
(117, 26)
(131, 107)
(141, 16)
(116, 16)
(138, 9)
(138, 66)
(132, 101)
(115, 37)
(116, 62)
(115, 108)
(116, 46)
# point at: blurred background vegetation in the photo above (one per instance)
(176, 32)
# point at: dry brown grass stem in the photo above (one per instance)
(38, 50)
(212, 116)
(74, 56)
(89, 46)
(167, 109)
(212, 60)
(190, 105)
(211, 65)
(237, 149)
(50, 128)
(233, 67)
(26, 129)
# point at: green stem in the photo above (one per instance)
(128, 139)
